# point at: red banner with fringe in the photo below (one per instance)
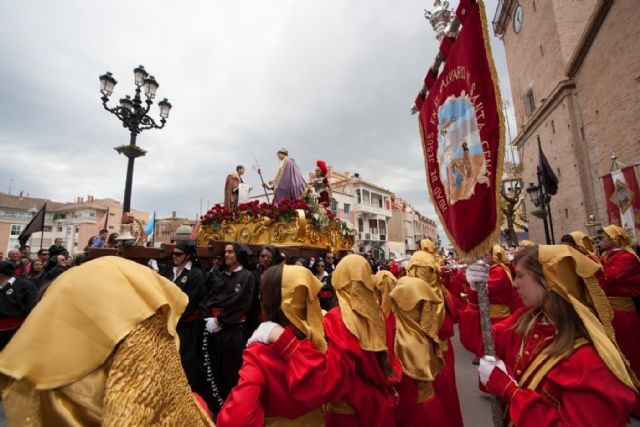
(462, 129)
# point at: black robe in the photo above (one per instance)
(16, 302)
(190, 325)
(230, 300)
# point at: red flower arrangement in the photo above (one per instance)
(282, 212)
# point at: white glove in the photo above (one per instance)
(487, 365)
(212, 326)
(476, 273)
(153, 264)
(265, 333)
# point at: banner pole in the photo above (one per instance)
(487, 340)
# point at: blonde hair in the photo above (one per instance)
(559, 312)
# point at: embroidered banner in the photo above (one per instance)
(462, 129)
(622, 194)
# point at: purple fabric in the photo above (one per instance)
(292, 183)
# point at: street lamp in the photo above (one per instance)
(133, 115)
(510, 191)
(592, 225)
(541, 199)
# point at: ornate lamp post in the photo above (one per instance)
(511, 190)
(133, 115)
(592, 225)
(541, 199)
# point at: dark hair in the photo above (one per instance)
(104, 230)
(568, 238)
(79, 259)
(276, 254)
(242, 253)
(41, 251)
(559, 312)
(239, 167)
(271, 295)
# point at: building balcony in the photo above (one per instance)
(364, 208)
(374, 237)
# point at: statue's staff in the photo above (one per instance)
(256, 167)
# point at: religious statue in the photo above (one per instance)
(321, 184)
(288, 182)
(232, 188)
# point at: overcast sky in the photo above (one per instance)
(330, 79)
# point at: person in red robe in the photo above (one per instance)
(419, 350)
(621, 284)
(452, 277)
(503, 298)
(288, 295)
(557, 362)
(356, 378)
(425, 264)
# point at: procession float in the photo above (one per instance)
(292, 223)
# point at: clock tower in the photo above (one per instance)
(574, 69)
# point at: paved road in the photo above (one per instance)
(476, 410)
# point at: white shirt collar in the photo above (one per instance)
(9, 282)
(187, 266)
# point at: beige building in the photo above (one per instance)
(408, 227)
(574, 68)
(166, 228)
(74, 222)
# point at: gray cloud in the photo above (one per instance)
(329, 80)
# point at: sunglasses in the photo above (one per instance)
(177, 254)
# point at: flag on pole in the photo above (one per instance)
(36, 224)
(462, 130)
(151, 227)
(622, 194)
(549, 178)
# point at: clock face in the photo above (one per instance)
(517, 19)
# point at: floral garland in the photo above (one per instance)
(284, 211)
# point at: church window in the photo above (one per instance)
(529, 101)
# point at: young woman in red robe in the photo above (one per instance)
(289, 300)
(424, 264)
(621, 284)
(557, 360)
(355, 379)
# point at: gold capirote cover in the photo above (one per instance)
(570, 274)
(300, 303)
(418, 316)
(620, 237)
(100, 348)
(385, 282)
(360, 309)
(584, 243)
(424, 265)
(526, 244)
(428, 246)
(500, 257)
